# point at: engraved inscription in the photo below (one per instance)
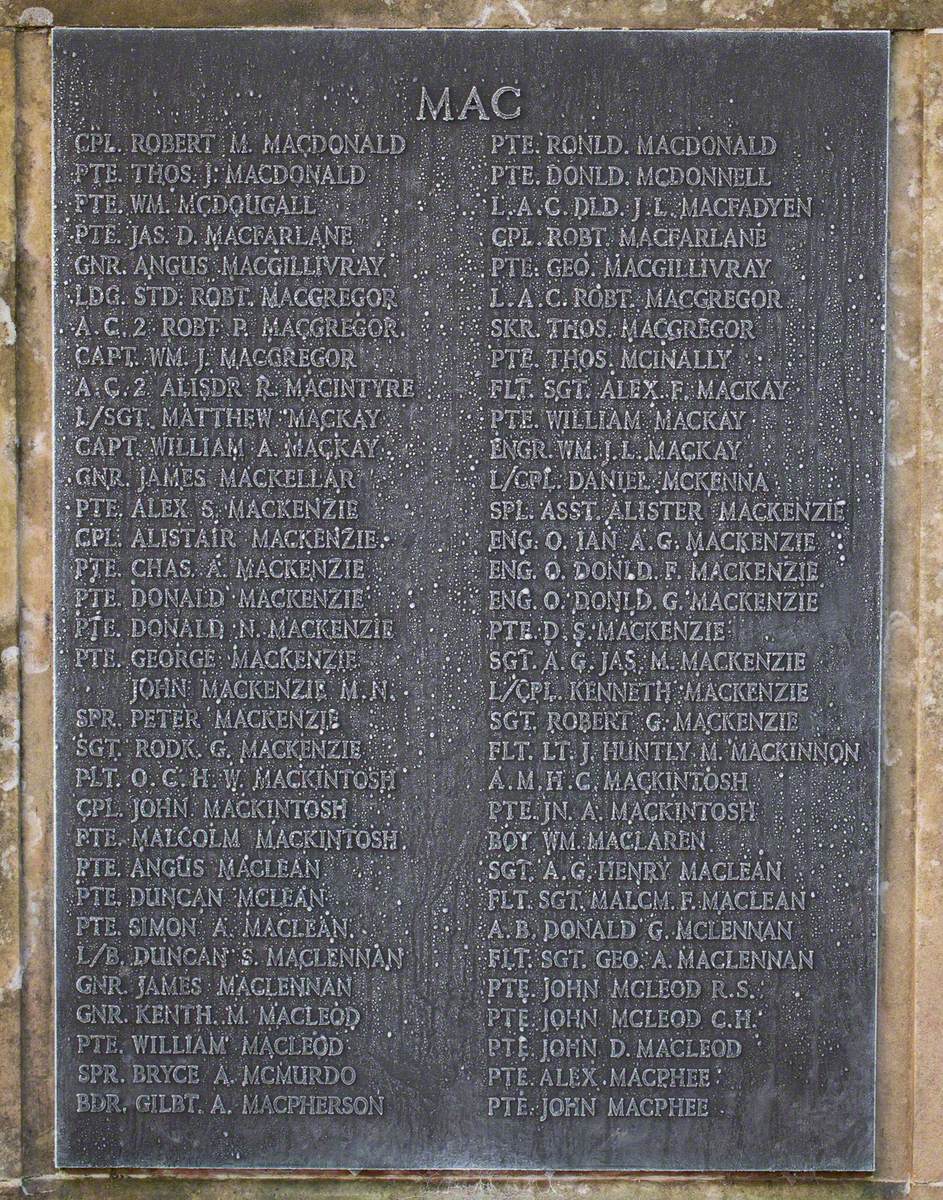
(468, 578)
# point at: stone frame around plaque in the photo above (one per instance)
(912, 364)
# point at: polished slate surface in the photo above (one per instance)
(445, 473)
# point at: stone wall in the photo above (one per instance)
(910, 1041)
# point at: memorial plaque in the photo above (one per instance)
(468, 499)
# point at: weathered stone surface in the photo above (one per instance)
(928, 1033)
(521, 1188)
(10, 968)
(481, 14)
(34, 386)
(902, 506)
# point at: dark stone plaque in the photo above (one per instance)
(468, 595)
